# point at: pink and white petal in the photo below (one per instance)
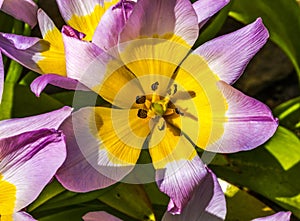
(99, 71)
(99, 216)
(77, 173)
(50, 32)
(69, 8)
(71, 32)
(164, 19)
(207, 203)
(178, 167)
(25, 50)
(81, 56)
(280, 216)
(186, 26)
(28, 162)
(248, 123)
(228, 55)
(53, 59)
(1, 77)
(111, 24)
(12, 127)
(178, 181)
(1, 2)
(39, 84)
(36, 54)
(23, 216)
(19, 216)
(217, 205)
(24, 10)
(97, 156)
(84, 16)
(46, 25)
(205, 9)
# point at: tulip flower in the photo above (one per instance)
(164, 97)
(24, 10)
(31, 151)
(1, 76)
(86, 20)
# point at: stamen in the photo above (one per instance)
(192, 94)
(172, 90)
(155, 97)
(175, 88)
(154, 86)
(161, 124)
(169, 112)
(142, 113)
(171, 105)
(178, 112)
(140, 99)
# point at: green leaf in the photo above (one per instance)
(49, 192)
(65, 97)
(14, 72)
(272, 170)
(288, 113)
(19, 101)
(28, 78)
(18, 27)
(155, 195)
(7, 101)
(285, 147)
(74, 213)
(80, 99)
(282, 108)
(68, 198)
(15, 69)
(130, 199)
(158, 199)
(281, 17)
(241, 205)
(6, 22)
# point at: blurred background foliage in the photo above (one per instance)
(258, 182)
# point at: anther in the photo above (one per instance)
(154, 86)
(170, 105)
(192, 94)
(178, 112)
(173, 89)
(142, 113)
(140, 99)
(161, 124)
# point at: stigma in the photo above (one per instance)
(154, 105)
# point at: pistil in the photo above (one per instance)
(158, 106)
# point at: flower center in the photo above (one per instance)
(154, 105)
(158, 108)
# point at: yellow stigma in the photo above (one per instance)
(159, 108)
